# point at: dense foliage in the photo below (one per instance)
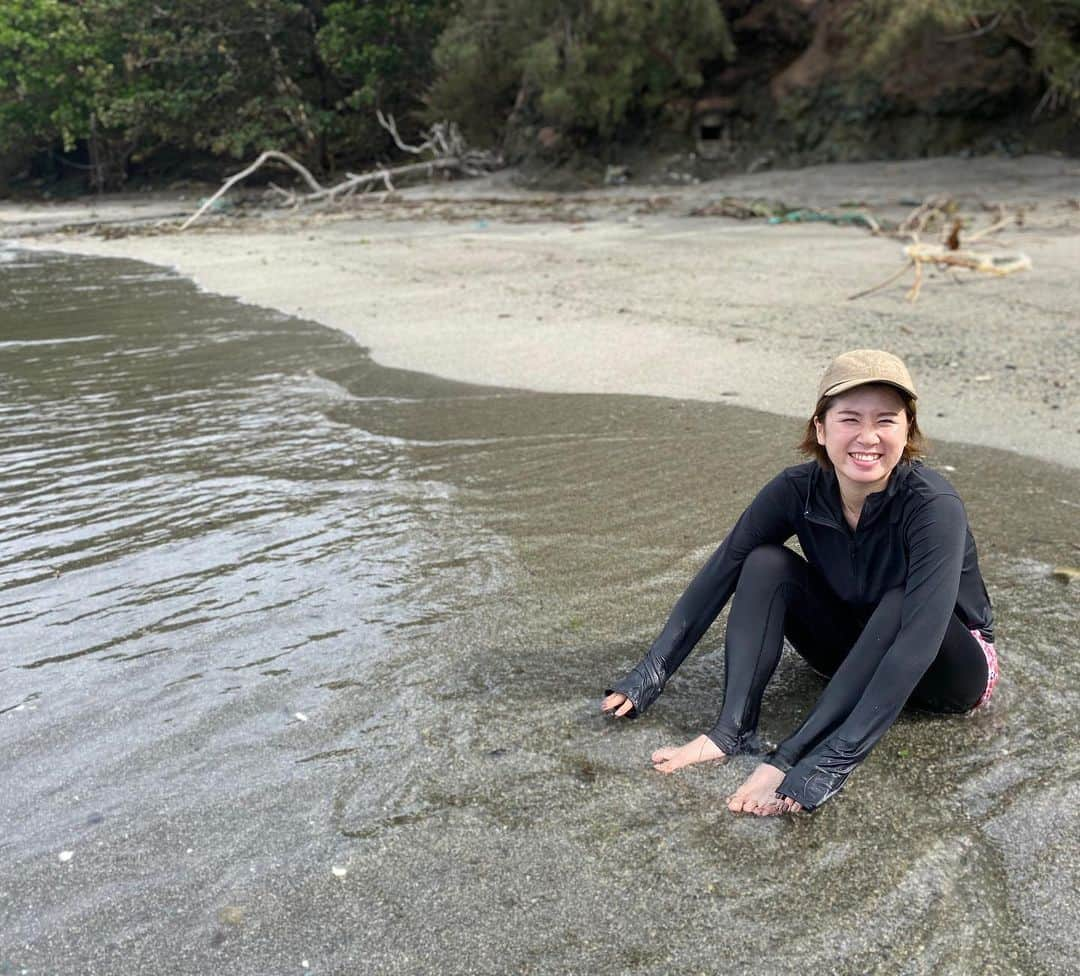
(121, 80)
(119, 86)
(1050, 29)
(588, 67)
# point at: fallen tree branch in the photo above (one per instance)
(388, 123)
(951, 253)
(243, 174)
(997, 225)
(443, 142)
(353, 181)
(932, 208)
(288, 197)
(919, 255)
(884, 284)
(1000, 265)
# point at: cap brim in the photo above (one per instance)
(837, 388)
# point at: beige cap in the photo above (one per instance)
(865, 366)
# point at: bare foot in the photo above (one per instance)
(758, 794)
(789, 805)
(701, 749)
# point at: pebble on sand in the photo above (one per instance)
(66, 856)
(231, 915)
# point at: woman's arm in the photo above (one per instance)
(852, 715)
(770, 518)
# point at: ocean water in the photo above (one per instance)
(300, 659)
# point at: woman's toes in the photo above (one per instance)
(701, 749)
(741, 803)
(771, 807)
(674, 760)
(788, 805)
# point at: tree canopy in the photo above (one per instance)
(116, 86)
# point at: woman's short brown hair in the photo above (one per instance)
(914, 448)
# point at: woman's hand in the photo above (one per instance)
(617, 704)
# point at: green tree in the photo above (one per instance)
(126, 77)
(123, 80)
(380, 52)
(50, 68)
(1050, 29)
(375, 55)
(587, 68)
(227, 78)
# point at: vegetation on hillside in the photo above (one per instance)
(1049, 29)
(112, 88)
(588, 69)
(110, 84)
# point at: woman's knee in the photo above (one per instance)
(769, 562)
(884, 623)
(956, 680)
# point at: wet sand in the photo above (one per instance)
(450, 573)
(269, 610)
(619, 291)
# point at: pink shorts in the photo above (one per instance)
(992, 670)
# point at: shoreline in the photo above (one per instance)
(622, 291)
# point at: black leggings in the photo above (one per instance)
(780, 595)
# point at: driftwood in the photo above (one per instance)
(949, 254)
(443, 144)
(243, 174)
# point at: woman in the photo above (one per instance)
(888, 603)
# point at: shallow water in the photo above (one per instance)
(268, 610)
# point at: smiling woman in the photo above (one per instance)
(888, 603)
(864, 433)
(864, 430)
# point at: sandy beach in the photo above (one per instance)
(303, 654)
(622, 290)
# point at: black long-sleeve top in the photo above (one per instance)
(913, 534)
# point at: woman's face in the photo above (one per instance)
(864, 433)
